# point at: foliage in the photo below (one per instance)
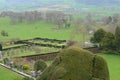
(98, 36)
(0, 47)
(18, 78)
(1, 61)
(27, 78)
(26, 67)
(100, 69)
(4, 33)
(117, 38)
(76, 64)
(40, 65)
(108, 42)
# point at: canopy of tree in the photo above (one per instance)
(107, 40)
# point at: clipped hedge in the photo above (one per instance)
(26, 67)
(40, 65)
(76, 64)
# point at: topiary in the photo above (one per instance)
(76, 64)
(40, 65)
(26, 67)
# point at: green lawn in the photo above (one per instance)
(113, 64)
(6, 74)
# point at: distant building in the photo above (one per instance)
(88, 44)
(91, 32)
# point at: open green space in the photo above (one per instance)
(36, 29)
(113, 64)
(6, 74)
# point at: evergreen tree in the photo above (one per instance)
(108, 42)
(98, 36)
(117, 38)
(40, 65)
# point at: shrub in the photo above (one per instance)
(1, 61)
(27, 78)
(26, 67)
(4, 33)
(18, 78)
(70, 43)
(76, 64)
(40, 65)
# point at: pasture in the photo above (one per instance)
(37, 29)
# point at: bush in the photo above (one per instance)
(76, 64)
(4, 33)
(40, 65)
(1, 61)
(27, 78)
(26, 67)
(18, 78)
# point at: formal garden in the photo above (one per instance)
(23, 55)
(16, 54)
(51, 57)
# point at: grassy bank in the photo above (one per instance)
(113, 64)
(6, 74)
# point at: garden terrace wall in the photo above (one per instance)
(46, 57)
(94, 49)
(52, 55)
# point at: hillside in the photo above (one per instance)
(89, 5)
(99, 2)
(30, 4)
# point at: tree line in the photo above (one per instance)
(59, 18)
(108, 41)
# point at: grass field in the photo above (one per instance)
(6, 74)
(37, 29)
(113, 64)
